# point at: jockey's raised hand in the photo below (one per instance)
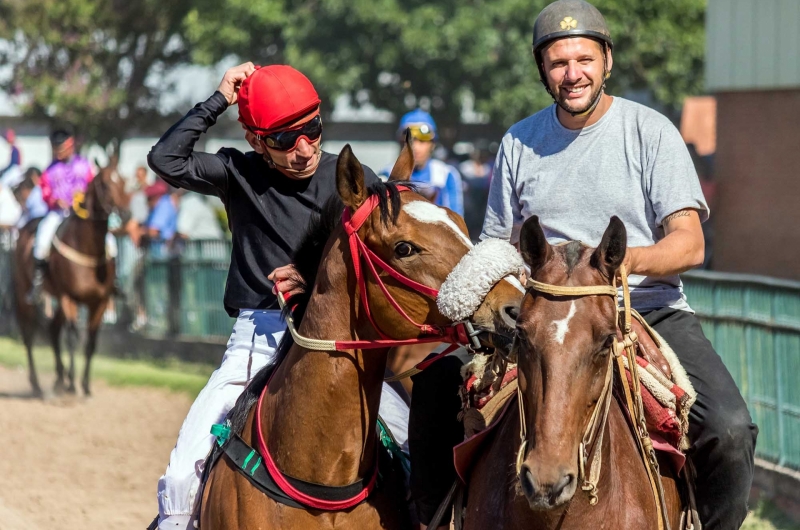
(287, 281)
(232, 80)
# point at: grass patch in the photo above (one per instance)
(766, 516)
(174, 375)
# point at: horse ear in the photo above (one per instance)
(401, 172)
(610, 254)
(350, 179)
(533, 244)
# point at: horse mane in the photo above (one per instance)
(306, 260)
(573, 250)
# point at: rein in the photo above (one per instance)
(592, 440)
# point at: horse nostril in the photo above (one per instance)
(560, 486)
(526, 481)
(510, 313)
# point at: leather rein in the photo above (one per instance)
(592, 440)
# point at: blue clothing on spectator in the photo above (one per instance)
(164, 218)
(443, 180)
(35, 206)
(437, 181)
(16, 159)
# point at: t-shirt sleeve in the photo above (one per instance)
(503, 212)
(672, 178)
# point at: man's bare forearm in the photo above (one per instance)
(682, 249)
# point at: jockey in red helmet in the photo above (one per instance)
(268, 192)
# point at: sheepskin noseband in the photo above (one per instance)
(471, 280)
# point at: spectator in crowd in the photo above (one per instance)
(477, 174)
(29, 196)
(196, 218)
(440, 182)
(10, 210)
(11, 175)
(139, 208)
(162, 223)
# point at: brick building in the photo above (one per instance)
(753, 70)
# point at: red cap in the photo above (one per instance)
(157, 189)
(275, 95)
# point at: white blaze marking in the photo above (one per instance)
(562, 326)
(515, 282)
(426, 212)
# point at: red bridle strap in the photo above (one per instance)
(358, 250)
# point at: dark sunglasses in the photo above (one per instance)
(287, 140)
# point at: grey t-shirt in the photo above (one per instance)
(632, 163)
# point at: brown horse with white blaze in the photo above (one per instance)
(529, 475)
(318, 415)
(78, 273)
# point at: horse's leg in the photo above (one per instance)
(55, 342)
(96, 312)
(28, 328)
(70, 309)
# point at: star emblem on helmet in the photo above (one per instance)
(569, 23)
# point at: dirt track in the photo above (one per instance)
(70, 462)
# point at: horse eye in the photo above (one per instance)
(404, 249)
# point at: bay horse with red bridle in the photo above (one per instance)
(315, 421)
(78, 273)
(564, 455)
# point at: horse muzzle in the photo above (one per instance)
(547, 494)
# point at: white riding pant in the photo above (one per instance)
(47, 231)
(254, 339)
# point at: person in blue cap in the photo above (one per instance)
(438, 181)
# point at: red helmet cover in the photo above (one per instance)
(275, 95)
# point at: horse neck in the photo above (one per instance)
(319, 416)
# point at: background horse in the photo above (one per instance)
(320, 410)
(563, 354)
(78, 273)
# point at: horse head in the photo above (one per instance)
(106, 192)
(563, 346)
(423, 242)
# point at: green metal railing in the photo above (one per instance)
(754, 324)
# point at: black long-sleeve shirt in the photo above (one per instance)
(267, 211)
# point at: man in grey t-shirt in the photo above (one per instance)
(574, 165)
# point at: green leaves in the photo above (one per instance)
(88, 60)
(411, 51)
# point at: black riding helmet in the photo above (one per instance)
(568, 18)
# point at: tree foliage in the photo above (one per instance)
(441, 53)
(95, 64)
(100, 63)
